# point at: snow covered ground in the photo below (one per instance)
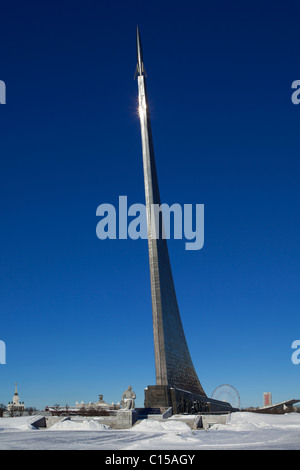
(244, 431)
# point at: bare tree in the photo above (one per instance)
(31, 410)
(2, 409)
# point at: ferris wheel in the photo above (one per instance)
(228, 393)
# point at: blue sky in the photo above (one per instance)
(76, 311)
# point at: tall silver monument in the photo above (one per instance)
(173, 363)
(176, 378)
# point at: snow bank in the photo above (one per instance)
(246, 421)
(261, 431)
(168, 425)
(20, 423)
(86, 425)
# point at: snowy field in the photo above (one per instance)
(244, 431)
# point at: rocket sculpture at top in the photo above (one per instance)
(173, 364)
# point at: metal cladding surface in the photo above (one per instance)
(173, 362)
(140, 69)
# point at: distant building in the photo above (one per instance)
(267, 398)
(100, 404)
(80, 408)
(16, 404)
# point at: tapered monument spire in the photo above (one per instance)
(173, 364)
(140, 69)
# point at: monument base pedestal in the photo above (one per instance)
(182, 401)
(125, 419)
